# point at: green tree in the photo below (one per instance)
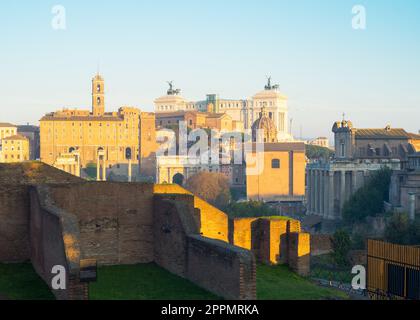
(341, 243)
(212, 187)
(317, 152)
(401, 230)
(368, 200)
(250, 209)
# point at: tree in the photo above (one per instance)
(250, 209)
(368, 200)
(401, 230)
(318, 152)
(212, 187)
(341, 244)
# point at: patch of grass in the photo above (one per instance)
(20, 282)
(279, 283)
(144, 282)
(324, 267)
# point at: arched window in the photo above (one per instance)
(275, 164)
(98, 100)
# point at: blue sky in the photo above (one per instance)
(216, 46)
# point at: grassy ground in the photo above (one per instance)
(279, 283)
(20, 282)
(143, 282)
(323, 267)
(150, 282)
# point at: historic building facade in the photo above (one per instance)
(358, 152)
(276, 173)
(197, 120)
(32, 133)
(405, 187)
(14, 149)
(245, 111)
(110, 140)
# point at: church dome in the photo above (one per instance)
(266, 124)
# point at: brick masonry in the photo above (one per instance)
(53, 222)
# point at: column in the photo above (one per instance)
(326, 194)
(342, 190)
(316, 192)
(104, 170)
(313, 193)
(353, 182)
(308, 192)
(98, 168)
(331, 195)
(323, 192)
(412, 206)
(129, 170)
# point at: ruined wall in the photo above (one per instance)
(222, 269)
(173, 220)
(320, 244)
(227, 271)
(213, 222)
(300, 253)
(14, 228)
(115, 220)
(15, 180)
(240, 232)
(54, 242)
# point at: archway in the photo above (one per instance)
(178, 179)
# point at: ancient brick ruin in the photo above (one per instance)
(51, 218)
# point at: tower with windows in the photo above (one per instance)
(98, 96)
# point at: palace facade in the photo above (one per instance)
(245, 111)
(358, 152)
(109, 140)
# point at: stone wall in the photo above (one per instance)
(55, 242)
(217, 266)
(115, 219)
(213, 222)
(320, 244)
(225, 270)
(14, 228)
(300, 253)
(15, 180)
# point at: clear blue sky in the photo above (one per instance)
(216, 46)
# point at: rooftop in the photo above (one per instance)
(6, 125)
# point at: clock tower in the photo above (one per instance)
(98, 96)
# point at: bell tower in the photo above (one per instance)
(98, 96)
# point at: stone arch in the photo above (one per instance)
(178, 179)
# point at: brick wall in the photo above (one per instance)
(225, 270)
(320, 244)
(115, 220)
(213, 222)
(300, 252)
(215, 265)
(55, 242)
(14, 228)
(15, 180)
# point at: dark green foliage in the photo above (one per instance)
(91, 171)
(401, 230)
(341, 244)
(317, 152)
(250, 209)
(20, 282)
(368, 200)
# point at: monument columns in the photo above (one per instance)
(342, 189)
(331, 195)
